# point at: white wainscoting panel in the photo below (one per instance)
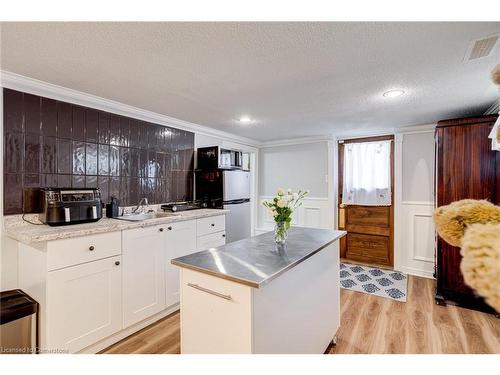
(416, 243)
(314, 213)
(312, 217)
(414, 233)
(422, 235)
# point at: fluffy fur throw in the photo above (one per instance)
(452, 220)
(481, 261)
(495, 74)
(474, 226)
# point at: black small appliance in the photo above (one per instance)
(215, 157)
(61, 206)
(181, 206)
(113, 208)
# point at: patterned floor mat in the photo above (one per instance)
(380, 282)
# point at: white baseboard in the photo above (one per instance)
(416, 272)
(108, 341)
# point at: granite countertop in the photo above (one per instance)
(255, 261)
(18, 229)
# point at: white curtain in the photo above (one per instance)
(367, 173)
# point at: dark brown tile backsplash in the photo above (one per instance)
(53, 143)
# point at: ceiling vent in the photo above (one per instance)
(481, 48)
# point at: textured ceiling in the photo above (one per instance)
(295, 79)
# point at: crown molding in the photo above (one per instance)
(416, 129)
(296, 141)
(391, 131)
(363, 134)
(33, 86)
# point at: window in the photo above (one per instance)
(367, 173)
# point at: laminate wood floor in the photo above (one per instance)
(369, 324)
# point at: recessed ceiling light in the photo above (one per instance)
(393, 93)
(245, 120)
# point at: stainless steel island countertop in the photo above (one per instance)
(255, 261)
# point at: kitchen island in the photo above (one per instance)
(250, 296)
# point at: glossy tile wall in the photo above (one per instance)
(49, 143)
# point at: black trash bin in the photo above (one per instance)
(18, 323)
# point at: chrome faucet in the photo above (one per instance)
(142, 204)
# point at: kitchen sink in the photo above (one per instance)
(146, 216)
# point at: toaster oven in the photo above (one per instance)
(70, 206)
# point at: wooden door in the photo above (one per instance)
(84, 304)
(370, 229)
(466, 169)
(143, 273)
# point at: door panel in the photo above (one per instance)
(84, 304)
(236, 185)
(238, 223)
(180, 240)
(365, 247)
(143, 274)
(369, 216)
(369, 228)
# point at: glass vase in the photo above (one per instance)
(281, 232)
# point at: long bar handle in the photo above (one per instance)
(225, 296)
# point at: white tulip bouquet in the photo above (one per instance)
(281, 208)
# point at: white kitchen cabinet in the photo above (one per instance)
(212, 240)
(211, 224)
(86, 301)
(84, 304)
(180, 240)
(144, 259)
(227, 315)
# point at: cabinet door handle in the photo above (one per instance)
(213, 225)
(117, 263)
(161, 229)
(91, 248)
(223, 235)
(209, 291)
(169, 228)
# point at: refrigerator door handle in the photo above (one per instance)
(237, 201)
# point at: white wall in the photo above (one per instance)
(418, 166)
(300, 166)
(414, 202)
(305, 166)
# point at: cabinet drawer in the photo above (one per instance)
(73, 251)
(211, 240)
(209, 225)
(188, 226)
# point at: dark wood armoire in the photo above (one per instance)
(466, 167)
